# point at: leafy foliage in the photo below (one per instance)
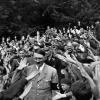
(18, 15)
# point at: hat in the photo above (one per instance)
(40, 51)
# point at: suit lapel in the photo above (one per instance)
(42, 73)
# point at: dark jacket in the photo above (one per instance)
(14, 90)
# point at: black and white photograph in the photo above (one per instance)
(49, 49)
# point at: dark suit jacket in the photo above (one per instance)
(14, 63)
(14, 90)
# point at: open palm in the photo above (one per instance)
(23, 63)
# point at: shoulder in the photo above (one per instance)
(30, 67)
(50, 68)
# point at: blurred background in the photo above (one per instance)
(19, 17)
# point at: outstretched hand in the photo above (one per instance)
(58, 96)
(23, 63)
(83, 72)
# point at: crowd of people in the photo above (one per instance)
(61, 64)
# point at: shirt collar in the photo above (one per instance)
(41, 68)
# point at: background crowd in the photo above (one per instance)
(74, 52)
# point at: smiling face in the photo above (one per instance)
(39, 59)
(21, 53)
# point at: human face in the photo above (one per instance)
(21, 53)
(81, 56)
(39, 59)
(65, 87)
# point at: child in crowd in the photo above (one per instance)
(67, 94)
